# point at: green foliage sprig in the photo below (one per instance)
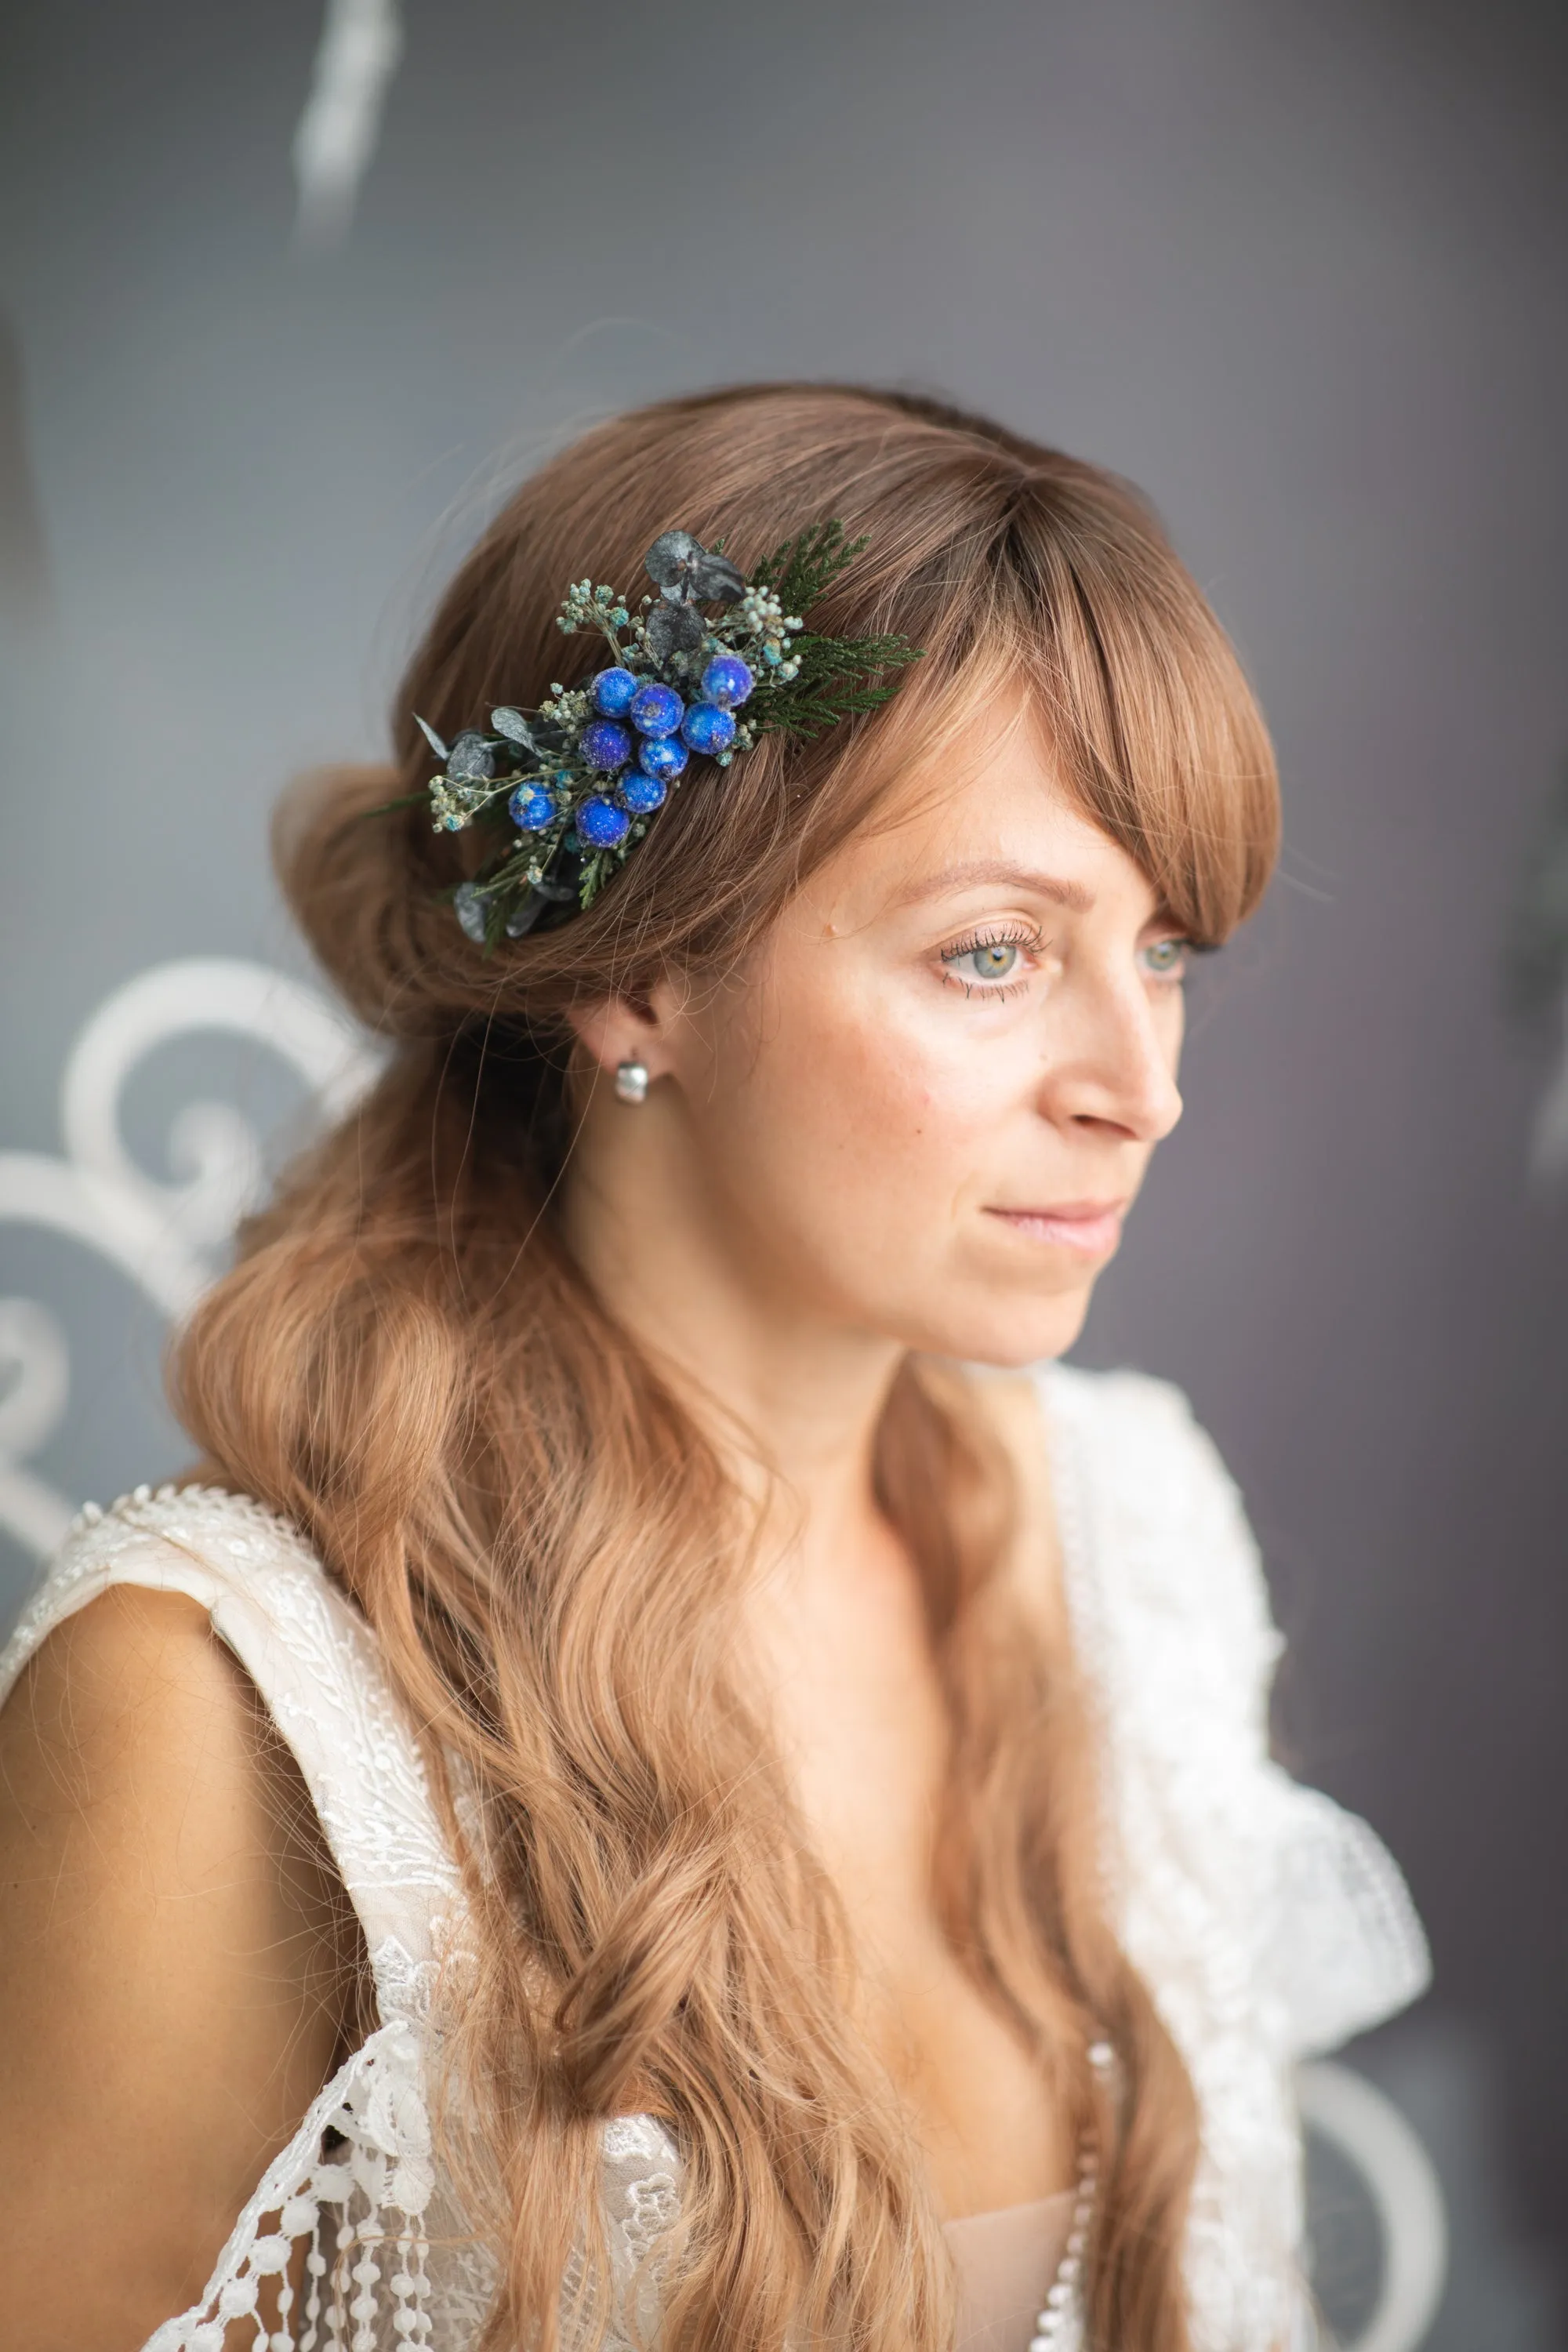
(837, 678)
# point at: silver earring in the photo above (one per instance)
(631, 1082)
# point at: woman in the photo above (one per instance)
(696, 1795)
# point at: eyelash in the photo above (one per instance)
(999, 937)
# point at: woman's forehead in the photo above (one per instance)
(998, 815)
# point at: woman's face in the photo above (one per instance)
(925, 1109)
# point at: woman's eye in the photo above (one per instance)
(1166, 959)
(985, 962)
(996, 962)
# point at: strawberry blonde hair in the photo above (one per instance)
(407, 1363)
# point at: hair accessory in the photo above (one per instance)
(573, 788)
(631, 1082)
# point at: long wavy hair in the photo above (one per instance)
(407, 1363)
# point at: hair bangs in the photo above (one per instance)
(1143, 701)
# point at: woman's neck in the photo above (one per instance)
(790, 1399)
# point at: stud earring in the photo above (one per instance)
(631, 1082)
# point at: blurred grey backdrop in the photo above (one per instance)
(1294, 265)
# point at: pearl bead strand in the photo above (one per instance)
(1059, 2325)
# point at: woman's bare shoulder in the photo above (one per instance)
(123, 1688)
(173, 1964)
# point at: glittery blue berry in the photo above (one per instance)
(727, 680)
(606, 745)
(705, 728)
(533, 808)
(642, 793)
(601, 824)
(613, 692)
(663, 756)
(655, 710)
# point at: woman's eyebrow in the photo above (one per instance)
(976, 872)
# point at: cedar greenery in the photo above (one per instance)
(838, 676)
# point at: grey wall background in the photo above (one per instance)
(1297, 269)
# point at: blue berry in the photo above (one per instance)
(613, 692)
(642, 793)
(727, 680)
(663, 756)
(533, 808)
(606, 745)
(655, 710)
(707, 728)
(601, 824)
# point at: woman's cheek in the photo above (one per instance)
(860, 1071)
(964, 1077)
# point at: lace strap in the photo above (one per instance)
(316, 1665)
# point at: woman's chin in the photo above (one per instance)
(1014, 1333)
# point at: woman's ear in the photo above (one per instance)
(616, 1030)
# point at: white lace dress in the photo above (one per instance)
(1267, 1922)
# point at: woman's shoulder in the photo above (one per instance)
(199, 1543)
(317, 1666)
(177, 1959)
(136, 1753)
(263, 1591)
(116, 1703)
(212, 1813)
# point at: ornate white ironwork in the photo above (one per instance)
(1399, 2177)
(360, 44)
(163, 1237)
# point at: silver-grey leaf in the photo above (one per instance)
(670, 557)
(674, 629)
(468, 763)
(716, 581)
(513, 725)
(538, 902)
(430, 736)
(470, 906)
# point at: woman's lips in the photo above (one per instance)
(1088, 1228)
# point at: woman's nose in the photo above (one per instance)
(1116, 1065)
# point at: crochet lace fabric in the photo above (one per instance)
(1267, 1922)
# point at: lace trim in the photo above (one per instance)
(351, 2189)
